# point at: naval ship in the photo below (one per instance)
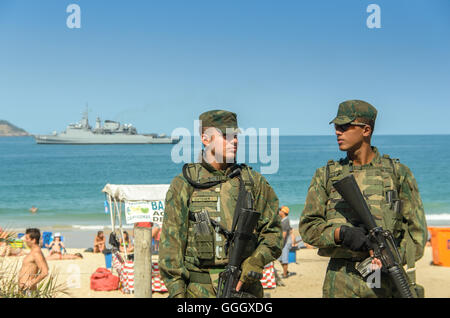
(111, 132)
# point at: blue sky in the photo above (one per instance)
(278, 64)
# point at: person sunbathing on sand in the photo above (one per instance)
(56, 246)
(5, 248)
(99, 242)
(54, 257)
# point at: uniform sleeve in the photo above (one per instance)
(174, 237)
(269, 227)
(412, 210)
(313, 227)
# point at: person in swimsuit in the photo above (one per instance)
(66, 256)
(33, 209)
(126, 244)
(5, 248)
(34, 267)
(56, 246)
(99, 242)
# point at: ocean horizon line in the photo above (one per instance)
(435, 219)
(298, 135)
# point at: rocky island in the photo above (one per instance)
(9, 130)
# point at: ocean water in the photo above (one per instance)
(65, 181)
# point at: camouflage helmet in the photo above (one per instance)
(351, 109)
(220, 119)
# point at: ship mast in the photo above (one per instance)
(85, 119)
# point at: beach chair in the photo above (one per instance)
(46, 239)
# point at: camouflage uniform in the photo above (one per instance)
(190, 261)
(325, 211)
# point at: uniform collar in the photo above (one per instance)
(374, 162)
(214, 171)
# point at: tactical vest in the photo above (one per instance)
(379, 185)
(205, 245)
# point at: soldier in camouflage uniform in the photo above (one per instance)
(191, 254)
(391, 193)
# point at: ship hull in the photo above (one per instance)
(103, 140)
(111, 133)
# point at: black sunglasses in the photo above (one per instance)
(345, 127)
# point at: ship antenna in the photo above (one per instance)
(85, 121)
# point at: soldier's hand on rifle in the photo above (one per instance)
(376, 263)
(252, 275)
(251, 272)
(354, 238)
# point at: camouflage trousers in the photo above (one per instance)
(203, 289)
(197, 290)
(342, 280)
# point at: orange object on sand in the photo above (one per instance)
(440, 242)
(104, 280)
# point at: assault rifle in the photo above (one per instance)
(381, 240)
(237, 242)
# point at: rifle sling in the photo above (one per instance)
(236, 171)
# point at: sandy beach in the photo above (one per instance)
(310, 272)
(307, 283)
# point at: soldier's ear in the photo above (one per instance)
(208, 135)
(206, 139)
(367, 131)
